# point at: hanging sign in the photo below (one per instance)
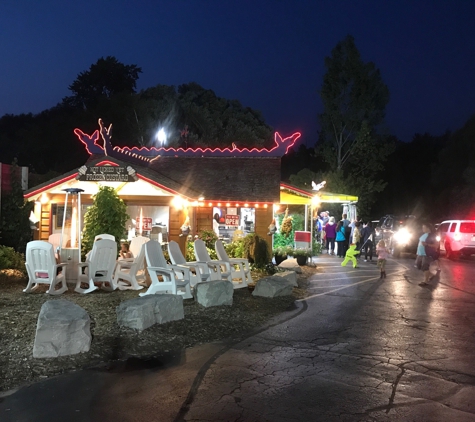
(106, 174)
(232, 220)
(144, 225)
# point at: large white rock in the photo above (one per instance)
(290, 276)
(272, 287)
(214, 293)
(290, 264)
(63, 329)
(143, 312)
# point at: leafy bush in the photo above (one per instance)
(283, 250)
(283, 240)
(11, 260)
(108, 214)
(255, 250)
(209, 237)
(190, 252)
(235, 249)
(316, 248)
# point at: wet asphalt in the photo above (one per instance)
(360, 348)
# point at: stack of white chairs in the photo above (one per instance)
(42, 268)
(240, 271)
(199, 271)
(99, 267)
(218, 269)
(175, 279)
(129, 273)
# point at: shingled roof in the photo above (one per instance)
(224, 178)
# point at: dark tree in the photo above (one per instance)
(104, 79)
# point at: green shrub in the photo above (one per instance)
(316, 248)
(209, 237)
(11, 260)
(108, 214)
(190, 252)
(255, 250)
(235, 249)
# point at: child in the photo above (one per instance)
(383, 254)
(124, 251)
(350, 254)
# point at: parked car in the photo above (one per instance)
(457, 237)
(400, 233)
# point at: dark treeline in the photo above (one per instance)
(431, 176)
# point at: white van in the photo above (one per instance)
(457, 237)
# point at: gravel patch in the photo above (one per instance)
(19, 314)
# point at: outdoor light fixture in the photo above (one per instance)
(44, 198)
(161, 136)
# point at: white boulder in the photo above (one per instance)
(290, 276)
(272, 287)
(143, 312)
(214, 293)
(63, 329)
(290, 264)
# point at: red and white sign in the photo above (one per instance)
(232, 220)
(145, 225)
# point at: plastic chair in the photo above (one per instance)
(42, 268)
(239, 266)
(99, 268)
(105, 236)
(176, 279)
(133, 270)
(216, 267)
(199, 271)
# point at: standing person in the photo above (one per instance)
(346, 225)
(318, 229)
(340, 239)
(356, 236)
(383, 254)
(367, 239)
(330, 233)
(426, 253)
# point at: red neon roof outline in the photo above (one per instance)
(94, 137)
(51, 185)
(106, 163)
(153, 182)
(277, 138)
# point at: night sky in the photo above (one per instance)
(267, 54)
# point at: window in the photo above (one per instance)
(467, 227)
(452, 227)
(443, 228)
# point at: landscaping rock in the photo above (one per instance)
(272, 287)
(290, 276)
(290, 264)
(214, 293)
(63, 329)
(143, 312)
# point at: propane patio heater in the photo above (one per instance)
(72, 255)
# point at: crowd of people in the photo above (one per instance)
(353, 238)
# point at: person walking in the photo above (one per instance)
(426, 253)
(367, 235)
(330, 233)
(383, 254)
(340, 239)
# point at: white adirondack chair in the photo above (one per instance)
(132, 271)
(239, 266)
(199, 271)
(105, 236)
(99, 267)
(176, 280)
(42, 268)
(219, 270)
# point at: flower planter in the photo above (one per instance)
(301, 260)
(279, 259)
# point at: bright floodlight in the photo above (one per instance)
(162, 136)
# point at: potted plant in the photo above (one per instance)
(302, 255)
(281, 253)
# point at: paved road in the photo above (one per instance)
(359, 349)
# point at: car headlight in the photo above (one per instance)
(437, 238)
(402, 236)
